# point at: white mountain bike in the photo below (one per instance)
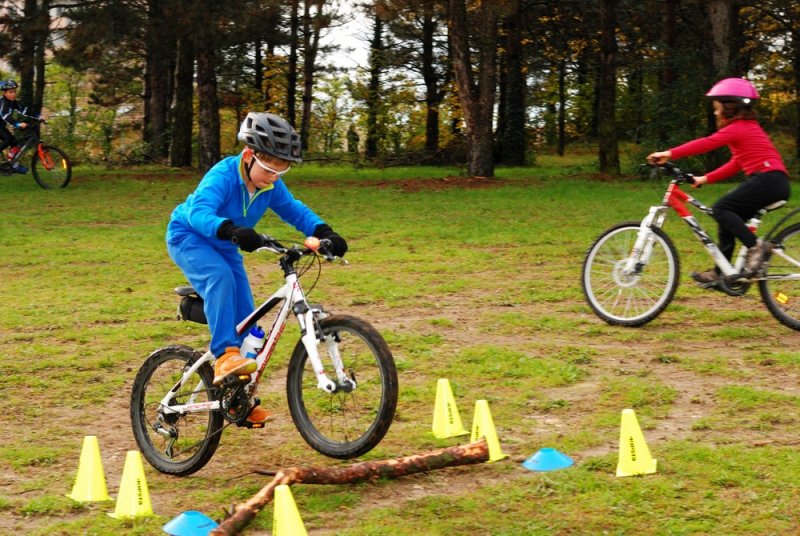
(341, 384)
(631, 272)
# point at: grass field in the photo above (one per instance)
(474, 281)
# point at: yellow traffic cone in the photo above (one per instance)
(446, 420)
(133, 499)
(483, 426)
(634, 456)
(90, 484)
(286, 519)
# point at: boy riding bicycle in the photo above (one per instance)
(752, 152)
(206, 231)
(9, 108)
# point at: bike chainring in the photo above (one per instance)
(734, 288)
(233, 399)
(5, 168)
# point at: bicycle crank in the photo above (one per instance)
(233, 399)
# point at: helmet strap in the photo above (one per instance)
(249, 166)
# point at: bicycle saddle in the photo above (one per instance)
(185, 290)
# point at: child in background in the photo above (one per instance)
(9, 107)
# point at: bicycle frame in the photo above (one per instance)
(676, 199)
(291, 298)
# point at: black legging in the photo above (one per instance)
(6, 137)
(733, 209)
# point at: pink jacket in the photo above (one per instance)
(751, 150)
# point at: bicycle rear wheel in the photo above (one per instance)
(176, 444)
(51, 167)
(629, 299)
(782, 296)
(351, 421)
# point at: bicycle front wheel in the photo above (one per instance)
(629, 299)
(174, 443)
(782, 296)
(51, 167)
(352, 420)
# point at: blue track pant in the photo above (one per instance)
(220, 279)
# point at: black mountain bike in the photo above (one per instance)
(50, 165)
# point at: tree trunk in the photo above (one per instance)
(477, 100)
(182, 106)
(562, 107)
(433, 94)
(373, 90)
(512, 136)
(667, 76)
(291, 76)
(312, 29)
(42, 34)
(719, 16)
(607, 90)
(473, 453)
(27, 52)
(208, 115)
(160, 51)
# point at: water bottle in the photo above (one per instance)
(13, 152)
(253, 343)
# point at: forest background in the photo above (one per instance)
(474, 82)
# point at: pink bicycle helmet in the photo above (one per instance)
(734, 90)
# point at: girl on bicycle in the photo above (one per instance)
(8, 107)
(206, 231)
(752, 151)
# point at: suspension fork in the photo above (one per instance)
(312, 338)
(643, 246)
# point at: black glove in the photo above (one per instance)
(338, 247)
(245, 237)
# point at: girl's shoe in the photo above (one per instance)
(756, 256)
(707, 278)
(20, 169)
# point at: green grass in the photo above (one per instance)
(479, 285)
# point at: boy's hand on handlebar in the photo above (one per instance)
(245, 237)
(659, 157)
(338, 245)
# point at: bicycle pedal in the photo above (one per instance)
(236, 379)
(249, 425)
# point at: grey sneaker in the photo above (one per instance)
(707, 278)
(756, 256)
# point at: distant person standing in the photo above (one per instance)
(9, 109)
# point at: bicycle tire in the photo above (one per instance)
(782, 297)
(624, 300)
(54, 171)
(197, 433)
(344, 424)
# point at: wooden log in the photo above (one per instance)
(242, 514)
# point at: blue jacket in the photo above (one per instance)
(222, 195)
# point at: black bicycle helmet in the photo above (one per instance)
(8, 84)
(270, 134)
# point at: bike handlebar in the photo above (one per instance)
(313, 245)
(675, 171)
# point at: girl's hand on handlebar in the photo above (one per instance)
(659, 157)
(699, 180)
